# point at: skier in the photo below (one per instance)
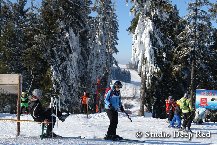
(112, 105)
(187, 111)
(24, 103)
(177, 116)
(84, 99)
(170, 108)
(40, 114)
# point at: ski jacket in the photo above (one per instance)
(113, 98)
(24, 101)
(170, 105)
(84, 99)
(37, 111)
(185, 105)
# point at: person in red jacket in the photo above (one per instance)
(84, 100)
(170, 108)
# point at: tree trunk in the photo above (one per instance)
(142, 93)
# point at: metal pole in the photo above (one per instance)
(18, 104)
(192, 86)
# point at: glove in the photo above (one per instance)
(122, 108)
(111, 107)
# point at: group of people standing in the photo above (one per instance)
(178, 110)
(32, 104)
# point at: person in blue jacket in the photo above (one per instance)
(113, 105)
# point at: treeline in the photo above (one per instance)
(57, 45)
(174, 54)
(121, 74)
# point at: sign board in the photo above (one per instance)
(9, 79)
(206, 99)
(9, 83)
(12, 84)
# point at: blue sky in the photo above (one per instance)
(124, 18)
(125, 39)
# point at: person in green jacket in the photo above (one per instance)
(24, 103)
(187, 111)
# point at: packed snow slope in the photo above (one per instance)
(94, 128)
(130, 92)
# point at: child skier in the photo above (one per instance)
(24, 103)
(170, 108)
(112, 105)
(44, 115)
(177, 116)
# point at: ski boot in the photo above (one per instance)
(108, 137)
(117, 137)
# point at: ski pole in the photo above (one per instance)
(128, 115)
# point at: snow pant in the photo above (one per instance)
(24, 110)
(113, 117)
(51, 119)
(187, 120)
(176, 118)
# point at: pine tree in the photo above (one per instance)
(195, 46)
(104, 39)
(155, 59)
(66, 25)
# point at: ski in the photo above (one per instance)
(120, 140)
(57, 137)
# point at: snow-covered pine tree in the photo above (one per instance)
(104, 38)
(66, 26)
(152, 50)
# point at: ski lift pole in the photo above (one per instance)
(128, 116)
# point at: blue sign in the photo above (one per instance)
(206, 99)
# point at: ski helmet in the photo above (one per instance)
(37, 93)
(118, 84)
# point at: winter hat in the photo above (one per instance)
(118, 84)
(170, 97)
(37, 93)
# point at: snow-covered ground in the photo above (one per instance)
(96, 125)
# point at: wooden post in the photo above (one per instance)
(18, 104)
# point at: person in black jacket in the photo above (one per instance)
(41, 114)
